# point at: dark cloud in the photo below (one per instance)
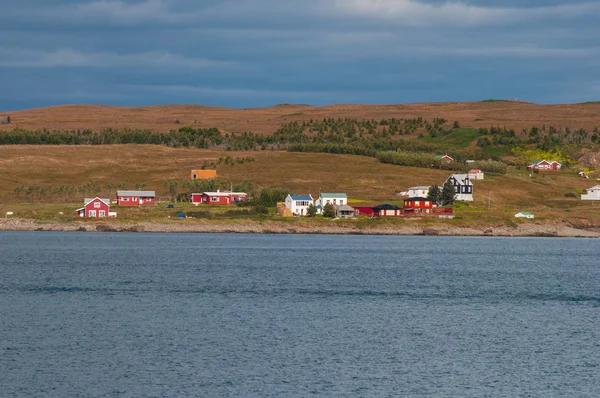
(260, 52)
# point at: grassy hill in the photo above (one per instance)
(512, 114)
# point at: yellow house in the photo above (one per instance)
(203, 174)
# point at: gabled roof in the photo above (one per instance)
(594, 188)
(136, 193)
(88, 200)
(415, 199)
(344, 208)
(420, 188)
(301, 197)
(386, 206)
(328, 195)
(461, 178)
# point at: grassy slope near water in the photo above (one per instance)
(362, 178)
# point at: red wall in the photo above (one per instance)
(134, 201)
(221, 200)
(90, 206)
(411, 204)
(363, 210)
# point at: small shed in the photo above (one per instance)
(524, 214)
(476, 174)
(344, 211)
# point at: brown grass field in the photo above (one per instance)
(362, 178)
(266, 120)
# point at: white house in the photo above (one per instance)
(475, 174)
(418, 192)
(593, 193)
(336, 199)
(524, 214)
(298, 204)
(463, 186)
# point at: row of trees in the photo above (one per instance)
(66, 192)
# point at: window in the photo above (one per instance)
(125, 199)
(102, 213)
(214, 199)
(96, 205)
(417, 203)
(194, 176)
(427, 203)
(92, 213)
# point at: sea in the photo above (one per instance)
(233, 315)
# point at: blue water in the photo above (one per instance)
(153, 315)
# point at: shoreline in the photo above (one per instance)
(533, 229)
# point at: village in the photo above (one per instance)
(417, 201)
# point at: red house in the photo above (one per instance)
(96, 208)
(418, 205)
(544, 166)
(387, 210)
(218, 198)
(135, 198)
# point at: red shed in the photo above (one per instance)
(96, 208)
(362, 210)
(135, 198)
(418, 205)
(218, 198)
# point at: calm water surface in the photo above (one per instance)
(153, 315)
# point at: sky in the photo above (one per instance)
(255, 53)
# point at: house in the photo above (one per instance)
(524, 214)
(218, 198)
(463, 187)
(344, 211)
(475, 174)
(203, 174)
(418, 192)
(593, 193)
(444, 158)
(298, 204)
(135, 198)
(387, 210)
(363, 210)
(418, 205)
(544, 166)
(96, 208)
(330, 198)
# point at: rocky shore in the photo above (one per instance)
(528, 229)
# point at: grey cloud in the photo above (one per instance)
(74, 58)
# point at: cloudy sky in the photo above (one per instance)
(250, 53)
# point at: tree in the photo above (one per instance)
(311, 211)
(329, 211)
(448, 193)
(435, 194)
(8, 119)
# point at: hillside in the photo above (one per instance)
(361, 177)
(516, 115)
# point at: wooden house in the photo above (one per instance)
(418, 206)
(136, 198)
(218, 198)
(96, 208)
